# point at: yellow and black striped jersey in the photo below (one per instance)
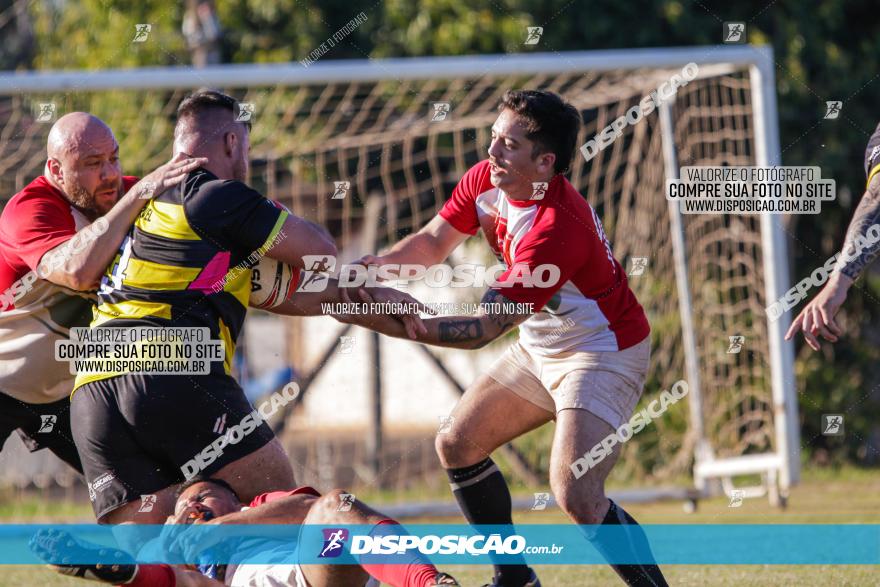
(872, 155)
(187, 261)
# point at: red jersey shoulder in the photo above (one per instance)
(477, 179)
(460, 210)
(474, 182)
(37, 203)
(36, 220)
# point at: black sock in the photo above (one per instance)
(484, 498)
(635, 545)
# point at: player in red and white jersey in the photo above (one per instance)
(594, 310)
(52, 255)
(584, 347)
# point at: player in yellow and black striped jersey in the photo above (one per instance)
(860, 248)
(872, 155)
(181, 266)
(180, 249)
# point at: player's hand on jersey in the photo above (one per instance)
(817, 317)
(168, 175)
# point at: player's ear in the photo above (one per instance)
(53, 169)
(546, 161)
(230, 141)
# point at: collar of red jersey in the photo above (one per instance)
(552, 186)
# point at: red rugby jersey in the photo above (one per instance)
(34, 314)
(591, 307)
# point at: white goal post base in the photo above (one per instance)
(769, 466)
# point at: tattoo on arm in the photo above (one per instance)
(461, 330)
(499, 315)
(503, 313)
(499, 311)
(867, 215)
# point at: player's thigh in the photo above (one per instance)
(595, 396)
(488, 415)
(580, 492)
(263, 470)
(325, 511)
(205, 424)
(120, 473)
(578, 433)
(59, 439)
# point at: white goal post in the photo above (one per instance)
(367, 120)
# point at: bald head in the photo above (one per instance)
(207, 127)
(77, 132)
(83, 162)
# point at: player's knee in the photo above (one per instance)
(452, 451)
(580, 499)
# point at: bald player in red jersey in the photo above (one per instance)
(52, 255)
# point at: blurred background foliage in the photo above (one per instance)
(825, 50)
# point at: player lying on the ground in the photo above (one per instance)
(51, 259)
(186, 263)
(584, 346)
(213, 501)
(817, 317)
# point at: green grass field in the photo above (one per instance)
(824, 496)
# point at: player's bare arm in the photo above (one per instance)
(299, 237)
(307, 303)
(817, 317)
(867, 215)
(81, 267)
(285, 510)
(431, 245)
(498, 315)
(290, 509)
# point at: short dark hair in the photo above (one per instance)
(205, 479)
(551, 123)
(204, 101)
